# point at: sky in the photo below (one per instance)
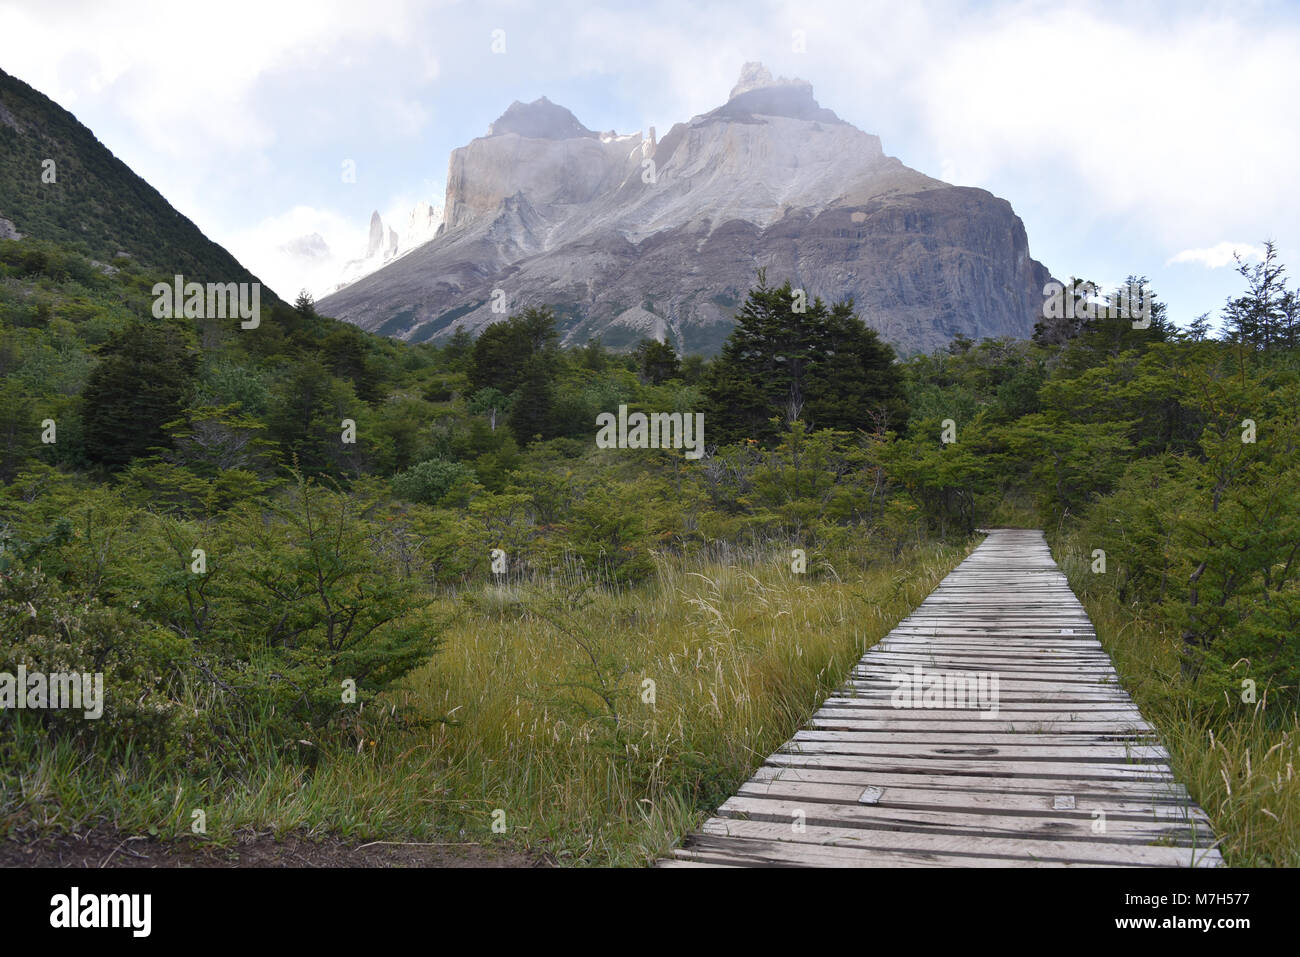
(1145, 138)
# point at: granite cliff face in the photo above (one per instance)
(630, 236)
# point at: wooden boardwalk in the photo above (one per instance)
(1051, 766)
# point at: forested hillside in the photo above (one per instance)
(59, 183)
(260, 535)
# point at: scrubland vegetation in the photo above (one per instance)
(471, 615)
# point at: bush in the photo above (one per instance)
(51, 631)
(304, 602)
(433, 480)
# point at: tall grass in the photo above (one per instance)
(605, 725)
(595, 724)
(1239, 763)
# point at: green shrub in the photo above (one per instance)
(433, 480)
(50, 631)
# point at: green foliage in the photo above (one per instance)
(345, 353)
(657, 362)
(503, 350)
(788, 359)
(1267, 316)
(326, 560)
(142, 382)
(307, 422)
(304, 609)
(434, 480)
(95, 202)
(519, 358)
(53, 632)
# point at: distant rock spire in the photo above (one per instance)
(376, 239)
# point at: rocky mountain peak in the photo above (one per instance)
(758, 93)
(539, 120)
(755, 76)
(383, 245)
(421, 226)
(376, 237)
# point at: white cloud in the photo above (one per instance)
(1168, 120)
(1171, 134)
(267, 248)
(167, 62)
(1218, 256)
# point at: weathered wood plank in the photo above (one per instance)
(751, 852)
(1009, 850)
(930, 739)
(995, 802)
(1062, 826)
(1155, 791)
(1081, 770)
(835, 742)
(830, 721)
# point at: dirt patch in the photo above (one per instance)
(96, 849)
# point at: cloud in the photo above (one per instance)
(301, 248)
(315, 248)
(1172, 134)
(196, 98)
(1218, 256)
(165, 63)
(1164, 121)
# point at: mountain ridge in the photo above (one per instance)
(623, 233)
(95, 200)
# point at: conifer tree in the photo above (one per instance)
(790, 360)
(142, 382)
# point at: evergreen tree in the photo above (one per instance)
(533, 402)
(143, 381)
(503, 350)
(791, 360)
(18, 440)
(1120, 323)
(344, 351)
(305, 304)
(520, 358)
(458, 348)
(657, 362)
(856, 383)
(594, 356)
(308, 420)
(1266, 316)
(1199, 328)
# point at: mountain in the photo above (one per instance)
(630, 236)
(381, 248)
(383, 245)
(95, 200)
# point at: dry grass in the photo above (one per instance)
(605, 727)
